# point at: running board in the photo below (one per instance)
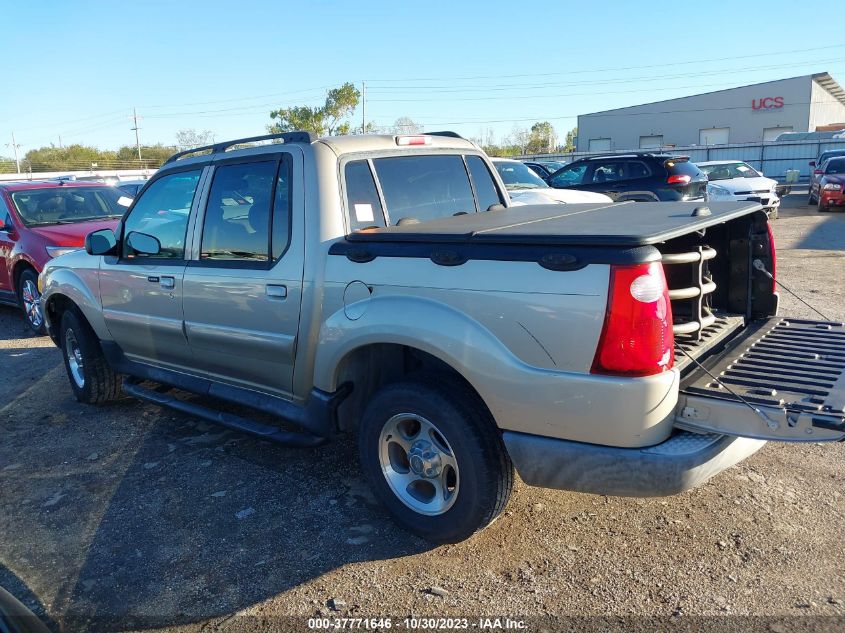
(229, 420)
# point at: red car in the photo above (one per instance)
(42, 220)
(829, 190)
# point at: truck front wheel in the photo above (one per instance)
(91, 378)
(435, 458)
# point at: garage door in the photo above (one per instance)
(649, 142)
(599, 144)
(714, 136)
(772, 133)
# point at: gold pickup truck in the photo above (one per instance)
(383, 285)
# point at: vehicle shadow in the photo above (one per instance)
(171, 521)
(15, 586)
(828, 235)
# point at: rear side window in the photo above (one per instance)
(424, 187)
(568, 176)
(362, 198)
(485, 187)
(684, 167)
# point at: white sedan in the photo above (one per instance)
(526, 187)
(735, 180)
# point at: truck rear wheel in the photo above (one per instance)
(91, 378)
(435, 458)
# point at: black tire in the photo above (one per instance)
(821, 208)
(99, 382)
(27, 291)
(484, 471)
(811, 201)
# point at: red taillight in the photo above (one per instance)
(817, 172)
(637, 338)
(679, 179)
(773, 256)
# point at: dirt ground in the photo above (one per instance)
(130, 517)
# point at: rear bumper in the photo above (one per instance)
(682, 462)
(833, 198)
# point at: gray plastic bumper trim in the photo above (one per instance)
(682, 462)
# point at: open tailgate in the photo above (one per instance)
(792, 370)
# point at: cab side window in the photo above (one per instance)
(485, 187)
(247, 203)
(362, 201)
(162, 212)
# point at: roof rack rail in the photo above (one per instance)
(287, 137)
(444, 133)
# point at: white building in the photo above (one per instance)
(748, 114)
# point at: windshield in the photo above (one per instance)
(836, 166)
(728, 171)
(518, 176)
(67, 205)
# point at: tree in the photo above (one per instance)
(152, 156)
(571, 138)
(68, 158)
(328, 119)
(541, 139)
(406, 125)
(190, 138)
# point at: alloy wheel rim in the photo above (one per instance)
(418, 464)
(31, 303)
(75, 360)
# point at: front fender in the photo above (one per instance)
(80, 287)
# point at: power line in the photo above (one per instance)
(615, 68)
(499, 87)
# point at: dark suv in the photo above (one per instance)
(640, 177)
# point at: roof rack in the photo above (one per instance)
(287, 137)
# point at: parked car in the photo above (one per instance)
(377, 284)
(131, 187)
(818, 171)
(641, 177)
(544, 168)
(526, 187)
(42, 220)
(828, 190)
(736, 180)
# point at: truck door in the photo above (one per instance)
(792, 371)
(142, 292)
(243, 283)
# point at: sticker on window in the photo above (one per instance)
(364, 213)
(742, 168)
(124, 201)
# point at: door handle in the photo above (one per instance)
(168, 283)
(275, 291)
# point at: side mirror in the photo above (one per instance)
(100, 242)
(143, 244)
(812, 163)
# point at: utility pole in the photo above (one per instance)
(60, 141)
(363, 108)
(15, 147)
(136, 128)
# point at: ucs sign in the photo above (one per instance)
(767, 103)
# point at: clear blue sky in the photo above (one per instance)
(77, 69)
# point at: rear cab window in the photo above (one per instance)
(390, 190)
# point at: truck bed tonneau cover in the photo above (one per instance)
(625, 224)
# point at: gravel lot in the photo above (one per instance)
(132, 517)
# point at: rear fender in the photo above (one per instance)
(419, 323)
